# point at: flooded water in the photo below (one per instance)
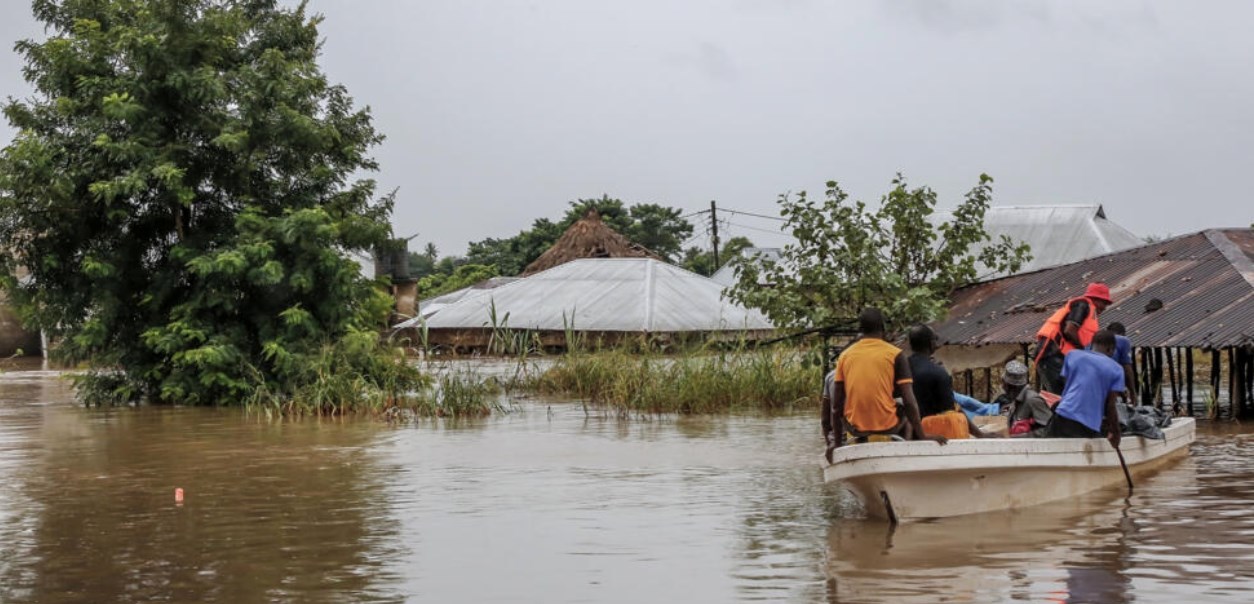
(546, 505)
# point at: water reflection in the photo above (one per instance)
(549, 505)
(273, 511)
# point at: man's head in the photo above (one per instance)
(1099, 294)
(1014, 378)
(1118, 328)
(1104, 342)
(871, 322)
(923, 340)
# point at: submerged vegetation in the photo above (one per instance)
(623, 384)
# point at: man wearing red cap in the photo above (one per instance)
(1070, 328)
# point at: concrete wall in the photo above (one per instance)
(12, 336)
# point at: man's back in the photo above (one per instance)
(868, 371)
(1091, 376)
(933, 386)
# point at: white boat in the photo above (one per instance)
(922, 479)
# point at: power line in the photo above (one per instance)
(753, 214)
(742, 226)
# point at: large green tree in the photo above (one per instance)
(659, 228)
(899, 257)
(181, 188)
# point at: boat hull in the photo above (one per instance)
(921, 479)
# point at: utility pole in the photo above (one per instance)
(714, 231)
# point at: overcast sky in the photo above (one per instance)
(499, 112)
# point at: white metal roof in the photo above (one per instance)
(604, 294)
(1058, 234)
(430, 306)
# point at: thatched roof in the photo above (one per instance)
(588, 237)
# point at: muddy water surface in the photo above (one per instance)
(547, 505)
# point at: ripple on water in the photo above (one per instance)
(547, 505)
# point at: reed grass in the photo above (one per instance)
(461, 393)
(703, 382)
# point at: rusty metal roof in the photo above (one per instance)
(1204, 283)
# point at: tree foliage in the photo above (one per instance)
(898, 257)
(465, 275)
(701, 261)
(659, 228)
(181, 190)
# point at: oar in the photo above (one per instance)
(1124, 465)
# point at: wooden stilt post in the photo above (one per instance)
(1238, 380)
(1215, 371)
(1158, 378)
(988, 384)
(1135, 381)
(1188, 375)
(1232, 383)
(1249, 379)
(1171, 374)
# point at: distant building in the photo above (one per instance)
(588, 237)
(604, 299)
(14, 337)
(1057, 234)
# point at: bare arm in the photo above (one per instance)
(825, 413)
(1112, 420)
(836, 420)
(975, 430)
(1071, 333)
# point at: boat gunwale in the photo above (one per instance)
(1018, 453)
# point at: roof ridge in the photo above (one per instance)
(1232, 253)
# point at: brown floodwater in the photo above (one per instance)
(546, 505)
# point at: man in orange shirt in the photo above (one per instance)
(868, 375)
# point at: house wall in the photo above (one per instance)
(962, 358)
(13, 337)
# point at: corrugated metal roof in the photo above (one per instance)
(1058, 234)
(1207, 295)
(605, 294)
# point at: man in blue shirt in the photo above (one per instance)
(1093, 384)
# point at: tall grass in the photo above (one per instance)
(623, 384)
(459, 393)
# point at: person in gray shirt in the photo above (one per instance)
(1023, 402)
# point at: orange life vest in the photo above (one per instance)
(1052, 329)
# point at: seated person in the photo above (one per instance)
(1093, 381)
(934, 389)
(861, 399)
(1028, 412)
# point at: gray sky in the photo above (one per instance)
(499, 112)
